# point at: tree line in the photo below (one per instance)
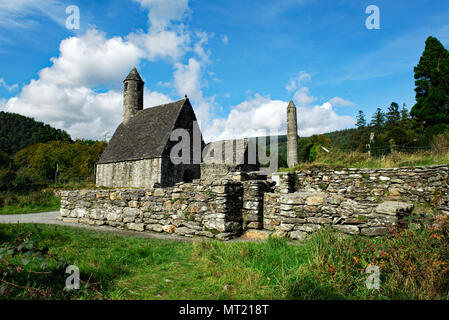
(33, 154)
(397, 127)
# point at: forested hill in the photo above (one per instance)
(18, 132)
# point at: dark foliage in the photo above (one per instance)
(18, 132)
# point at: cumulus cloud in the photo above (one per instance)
(162, 12)
(64, 93)
(91, 60)
(257, 116)
(340, 102)
(187, 80)
(63, 96)
(262, 116)
(301, 93)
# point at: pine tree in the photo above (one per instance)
(405, 121)
(378, 120)
(393, 116)
(361, 121)
(432, 85)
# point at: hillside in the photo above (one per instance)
(18, 132)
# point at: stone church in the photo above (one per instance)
(139, 154)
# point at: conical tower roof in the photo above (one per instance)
(134, 75)
(291, 104)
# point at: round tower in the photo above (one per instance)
(292, 135)
(132, 95)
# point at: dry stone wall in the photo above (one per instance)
(411, 184)
(189, 209)
(352, 201)
(305, 212)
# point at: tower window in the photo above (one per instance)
(126, 86)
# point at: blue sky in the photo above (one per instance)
(240, 62)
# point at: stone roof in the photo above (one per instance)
(133, 75)
(145, 135)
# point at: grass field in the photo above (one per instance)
(340, 159)
(414, 264)
(28, 202)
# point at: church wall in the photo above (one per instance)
(131, 174)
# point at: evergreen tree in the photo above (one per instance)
(378, 121)
(361, 121)
(393, 116)
(432, 85)
(405, 121)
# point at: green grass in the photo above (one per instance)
(413, 265)
(339, 159)
(28, 202)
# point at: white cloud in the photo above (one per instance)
(162, 44)
(163, 12)
(255, 117)
(18, 13)
(8, 87)
(91, 60)
(321, 119)
(302, 93)
(225, 40)
(261, 116)
(302, 97)
(188, 80)
(340, 102)
(296, 83)
(63, 94)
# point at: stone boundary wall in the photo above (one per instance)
(411, 184)
(189, 209)
(304, 212)
(368, 202)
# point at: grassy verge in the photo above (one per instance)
(413, 264)
(28, 202)
(339, 159)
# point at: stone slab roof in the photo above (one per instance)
(145, 135)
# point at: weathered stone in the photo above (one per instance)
(315, 201)
(319, 220)
(136, 226)
(169, 228)
(297, 235)
(257, 235)
(374, 231)
(158, 193)
(347, 229)
(393, 207)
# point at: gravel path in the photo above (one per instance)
(51, 218)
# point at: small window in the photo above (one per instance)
(139, 87)
(126, 86)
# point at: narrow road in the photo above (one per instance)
(50, 218)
